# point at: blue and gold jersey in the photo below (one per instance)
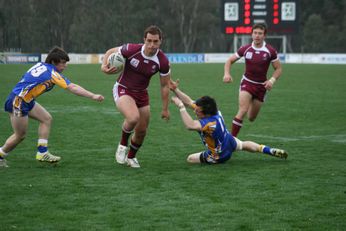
(216, 137)
(39, 79)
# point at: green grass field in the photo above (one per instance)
(305, 114)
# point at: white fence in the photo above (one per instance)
(179, 58)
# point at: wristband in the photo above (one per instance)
(182, 109)
(272, 80)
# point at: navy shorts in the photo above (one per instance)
(208, 157)
(16, 105)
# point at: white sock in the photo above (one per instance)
(42, 142)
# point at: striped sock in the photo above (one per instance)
(125, 137)
(133, 150)
(264, 149)
(236, 126)
(42, 145)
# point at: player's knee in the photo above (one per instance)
(252, 119)
(47, 119)
(132, 120)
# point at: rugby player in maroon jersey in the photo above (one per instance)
(254, 84)
(130, 90)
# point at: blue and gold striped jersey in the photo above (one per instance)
(39, 79)
(215, 135)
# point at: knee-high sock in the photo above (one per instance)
(125, 137)
(236, 126)
(133, 150)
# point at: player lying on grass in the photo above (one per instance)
(21, 103)
(214, 134)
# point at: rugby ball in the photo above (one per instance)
(116, 60)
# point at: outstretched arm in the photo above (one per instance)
(187, 120)
(80, 91)
(181, 95)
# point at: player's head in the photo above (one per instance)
(258, 35)
(206, 105)
(152, 40)
(153, 30)
(260, 26)
(58, 57)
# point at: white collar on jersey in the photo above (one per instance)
(261, 48)
(148, 57)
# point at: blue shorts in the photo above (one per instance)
(16, 105)
(228, 149)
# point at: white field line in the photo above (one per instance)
(78, 109)
(335, 138)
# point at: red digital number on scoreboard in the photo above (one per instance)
(280, 16)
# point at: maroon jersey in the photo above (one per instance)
(257, 61)
(139, 68)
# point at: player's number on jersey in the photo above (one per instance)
(37, 70)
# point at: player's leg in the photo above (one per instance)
(245, 99)
(255, 107)
(40, 114)
(19, 126)
(128, 108)
(139, 135)
(251, 146)
(18, 114)
(195, 158)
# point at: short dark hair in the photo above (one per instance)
(56, 55)
(153, 30)
(261, 26)
(208, 105)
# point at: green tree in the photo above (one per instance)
(312, 31)
(83, 26)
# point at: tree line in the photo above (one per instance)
(93, 26)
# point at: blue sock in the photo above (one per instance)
(42, 149)
(42, 145)
(266, 150)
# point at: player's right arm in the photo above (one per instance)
(186, 100)
(189, 123)
(104, 66)
(227, 78)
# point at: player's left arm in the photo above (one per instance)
(164, 81)
(65, 83)
(80, 91)
(189, 123)
(276, 75)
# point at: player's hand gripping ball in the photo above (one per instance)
(116, 60)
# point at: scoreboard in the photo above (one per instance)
(280, 16)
